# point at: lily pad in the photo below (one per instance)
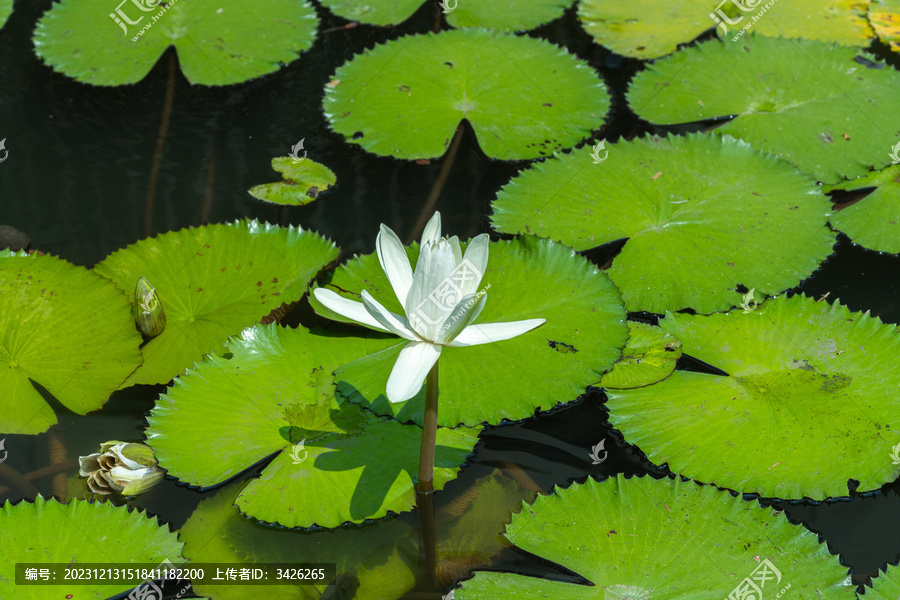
(833, 111)
(526, 278)
(702, 215)
(884, 15)
(649, 356)
(874, 221)
(303, 181)
(647, 29)
(790, 363)
(527, 14)
(217, 44)
(213, 281)
(627, 535)
(75, 533)
(886, 586)
(406, 98)
(6, 8)
(62, 327)
(277, 393)
(217, 533)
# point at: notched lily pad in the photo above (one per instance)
(64, 328)
(302, 183)
(831, 110)
(406, 98)
(874, 221)
(790, 363)
(95, 42)
(214, 281)
(650, 355)
(626, 536)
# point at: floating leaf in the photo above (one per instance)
(6, 7)
(648, 29)
(649, 356)
(527, 14)
(831, 110)
(275, 393)
(78, 532)
(406, 98)
(874, 221)
(303, 181)
(702, 215)
(376, 12)
(214, 281)
(884, 15)
(64, 328)
(628, 537)
(218, 44)
(886, 586)
(527, 278)
(809, 401)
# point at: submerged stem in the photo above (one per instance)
(425, 483)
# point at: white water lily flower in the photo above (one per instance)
(441, 299)
(120, 468)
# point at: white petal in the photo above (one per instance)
(394, 262)
(485, 333)
(410, 370)
(348, 308)
(462, 316)
(477, 257)
(432, 232)
(434, 293)
(393, 322)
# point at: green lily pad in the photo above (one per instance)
(526, 278)
(884, 15)
(217, 533)
(213, 281)
(217, 44)
(302, 183)
(886, 586)
(649, 356)
(647, 29)
(790, 363)
(6, 8)
(628, 537)
(702, 215)
(810, 103)
(274, 393)
(75, 533)
(527, 14)
(64, 328)
(406, 98)
(874, 221)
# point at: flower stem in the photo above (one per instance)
(425, 483)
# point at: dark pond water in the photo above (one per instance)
(77, 181)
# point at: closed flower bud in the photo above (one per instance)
(120, 468)
(148, 310)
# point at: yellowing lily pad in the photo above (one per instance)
(884, 15)
(407, 97)
(809, 402)
(303, 181)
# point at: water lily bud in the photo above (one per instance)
(120, 468)
(148, 310)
